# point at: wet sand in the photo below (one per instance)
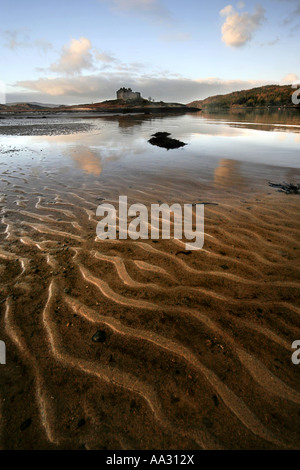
(52, 128)
(195, 348)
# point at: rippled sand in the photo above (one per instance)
(197, 349)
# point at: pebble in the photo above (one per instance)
(224, 266)
(99, 337)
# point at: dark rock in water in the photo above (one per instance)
(26, 424)
(99, 337)
(162, 139)
(81, 423)
(287, 188)
(161, 134)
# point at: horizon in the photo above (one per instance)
(166, 50)
(83, 104)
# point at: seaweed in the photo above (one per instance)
(287, 188)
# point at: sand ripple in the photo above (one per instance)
(197, 349)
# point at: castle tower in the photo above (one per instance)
(127, 94)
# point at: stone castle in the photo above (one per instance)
(127, 94)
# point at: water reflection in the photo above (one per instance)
(218, 151)
(87, 159)
(228, 174)
(285, 116)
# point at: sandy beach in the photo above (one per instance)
(192, 349)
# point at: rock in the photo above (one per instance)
(99, 336)
(162, 139)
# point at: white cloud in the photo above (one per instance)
(228, 10)
(62, 86)
(80, 55)
(75, 57)
(239, 28)
(289, 78)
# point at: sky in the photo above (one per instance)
(82, 51)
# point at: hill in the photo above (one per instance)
(110, 106)
(139, 105)
(265, 96)
(34, 104)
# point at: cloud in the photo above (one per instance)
(20, 38)
(295, 13)
(80, 55)
(75, 57)
(104, 57)
(239, 28)
(289, 78)
(175, 36)
(274, 42)
(99, 87)
(63, 86)
(16, 38)
(132, 67)
(271, 43)
(153, 11)
(145, 7)
(43, 45)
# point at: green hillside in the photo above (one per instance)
(270, 95)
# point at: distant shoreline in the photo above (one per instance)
(93, 113)
(246, 108)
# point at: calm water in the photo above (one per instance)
(221, 151)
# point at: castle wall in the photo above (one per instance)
(128, 95)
